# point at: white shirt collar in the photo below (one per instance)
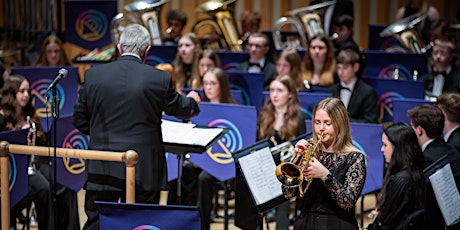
(447, 135)
(132, 54)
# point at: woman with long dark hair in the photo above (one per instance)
(403, 188)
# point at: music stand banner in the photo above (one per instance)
(66, 90)
(230, 59)
(381, 43)
(382, 64)
(389, 89)
(250, 84)
(87, 22)
(308, 100)
(401, 106)
(123, 216)
(17, 165)
(70, 171)
(367, 138)
(161, 54)
(241, 121)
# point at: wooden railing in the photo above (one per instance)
(129, 157)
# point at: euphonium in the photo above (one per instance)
(307, 21)
(406, 33)
(290, 173)
(222, 23)
(31, 139)
(142, 12)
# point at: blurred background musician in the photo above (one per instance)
(207, 59)
(216, 89)
(319, 62)
(259, 61)
(16, 106)
(289, 63)
(185, 63)
(176, 20)
(449, 103)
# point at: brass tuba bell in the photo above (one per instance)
(405, 32)
(222, 23)
(290, 173)
(142, 12)
(307, 20)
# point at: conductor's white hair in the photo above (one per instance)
(134, 39)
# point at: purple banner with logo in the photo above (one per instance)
(242, 124)
(87, 22)
(70, 171)
(161, 54)
(381, 43)
(382, 64)
(389, 89)
(308, 100)
(123, 216)
(17, 165)
(66, 90)
(230, 59)
(401, 106)
(368, 139)
(250, 84)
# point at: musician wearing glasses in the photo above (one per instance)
(337, 173)
(443, 77)
(216, 89)
(258, 58)
(16, 106)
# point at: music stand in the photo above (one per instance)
(182, 148)
(242, 160)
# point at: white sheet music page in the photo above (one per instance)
(184, 133)
(259, 170)
(447, 194)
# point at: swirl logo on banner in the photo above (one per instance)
(75, 140)
(146, 227)
(91, 25)
(230, 142)
(403, 72)
(40, 94)
(385, 104)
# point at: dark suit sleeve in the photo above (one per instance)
(179, 105)
(368, 107)
(80, 118)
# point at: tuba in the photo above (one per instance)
(290, 173)
(222, 24)
(405, 32)
(142, 12)
(307, 20)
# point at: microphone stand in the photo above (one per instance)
(55, 114)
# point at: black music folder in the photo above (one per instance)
(182, 138)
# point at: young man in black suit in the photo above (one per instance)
(428, 123)
(258, 62)
(449, 103)
(359, 98)
(120, 106)
(443, 77)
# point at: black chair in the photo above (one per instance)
(415, 220)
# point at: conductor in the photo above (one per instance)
(120, 106)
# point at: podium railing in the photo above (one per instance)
(129, 157)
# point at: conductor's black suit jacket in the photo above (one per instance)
(120, 106)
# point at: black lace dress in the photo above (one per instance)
(330, 205)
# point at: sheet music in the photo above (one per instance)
(183, 133)
(447, 194)
(259, 170)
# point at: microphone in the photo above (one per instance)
(62, 74)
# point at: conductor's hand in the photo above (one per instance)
(195, 96)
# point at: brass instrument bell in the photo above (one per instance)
(222, 23)
(406, 33)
